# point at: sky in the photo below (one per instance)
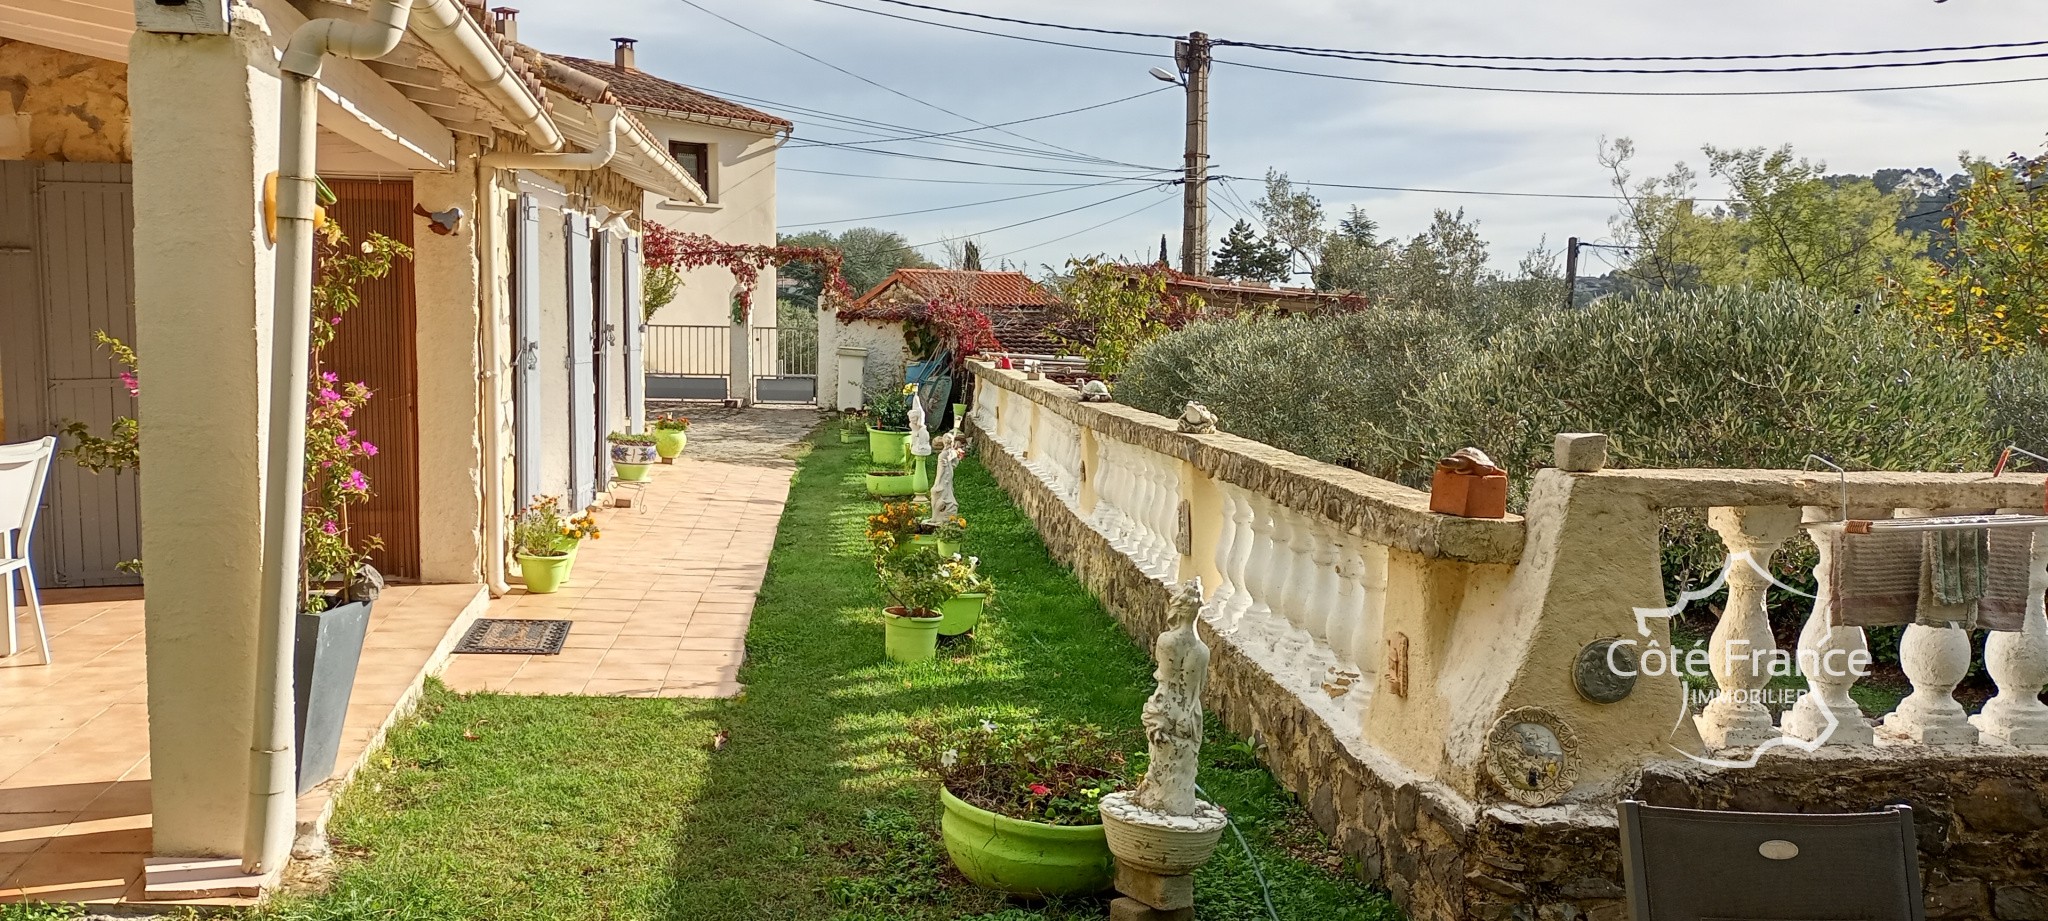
(1313, 129)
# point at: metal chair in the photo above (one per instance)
(24, 468)
(1762, 866)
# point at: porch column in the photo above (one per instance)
(447, 288)
(205, 112)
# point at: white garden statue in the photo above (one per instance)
(1162, 827)
(950, 451)
(920, 437)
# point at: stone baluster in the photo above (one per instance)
(1260, 565)
(1324, 589)
(1221, 599)
(1368, 641)
(1935, 660)
(1146, 509)
(1241, 549)
(2018, 663)
(1825, 656)
(1347, 605)
(1162, 510)
(1739, 649)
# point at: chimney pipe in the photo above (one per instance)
(506, 20)
(622, 53)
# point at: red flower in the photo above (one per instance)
(1039, 789)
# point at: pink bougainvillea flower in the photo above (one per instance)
(341, 441)
(329, 527)
(347, 411)
(357, 481)
(329, 376)
(327, 395)
(369, 450)
(1039, 789)
(128, 379)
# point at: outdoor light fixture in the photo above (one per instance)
(1168, 76)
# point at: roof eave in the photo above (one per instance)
(765, 129)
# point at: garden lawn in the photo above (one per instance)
(498, 807)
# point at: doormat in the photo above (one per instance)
(515, 637)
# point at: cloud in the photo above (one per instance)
(1317, 129)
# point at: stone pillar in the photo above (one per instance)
(205, 111)
(1935, 660)
(740, 384)
(1743, 637)
(447, 284)
(1827, 657)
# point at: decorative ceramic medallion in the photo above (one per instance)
(1605, 671)
(1532, 756)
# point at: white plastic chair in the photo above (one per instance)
(23, 469)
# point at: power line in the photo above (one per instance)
(971, 204)
(1415, 83)
(822, 172)
(1551, 69)
(862, 126)
(1027, 169)
(1395, 188)
(1048, 217)
(878, 85)
(941, 134)
(1560, 92)
(1471, 57)
(1121, 217)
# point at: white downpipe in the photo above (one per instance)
(595, 158)
(273, 786)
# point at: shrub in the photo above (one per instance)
(1331, 388)
(1732, 377)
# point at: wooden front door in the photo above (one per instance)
(376, 345)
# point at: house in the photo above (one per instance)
(729, 150)
(1232, 295)
(865, 348)
(147, 188)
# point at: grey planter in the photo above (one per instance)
(330, 645)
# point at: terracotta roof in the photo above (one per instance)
(1253, 289)
(639, 88)
(975, 289)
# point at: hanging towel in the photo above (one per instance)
(1874, 579)
(1952, 572)
(2008, 580)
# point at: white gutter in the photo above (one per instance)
(456, 39)
(273, 774)
(595, 158)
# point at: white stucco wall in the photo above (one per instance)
(205, 133)
(446, 287)
(742, 210)
(883, 366)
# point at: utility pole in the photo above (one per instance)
(1192, 57)
(1571, 272)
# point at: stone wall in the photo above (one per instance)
(1444, 853)
(77, 105)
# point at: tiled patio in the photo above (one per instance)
(74, 741)
(660, 603)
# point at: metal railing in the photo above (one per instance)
(785, 364)
(689, 351)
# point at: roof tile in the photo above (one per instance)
(639, 88)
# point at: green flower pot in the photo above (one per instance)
(1030, 859)
(889, 485)
(888, 448)
(545, 574)
(631, 472)
(960, 415)
(910, 639)
(670, 442)
(961, 613)
(847, 436)
(946, 548)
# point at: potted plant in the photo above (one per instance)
(851, 422)
(971, 594)
(1021, 802)
(902, 523)
(946, 535)
(889, 426)
(632, 454)
(890, 483)
(671, 434)
(545, 543)
(915, 581)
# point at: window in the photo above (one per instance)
(696, 160)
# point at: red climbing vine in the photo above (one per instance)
(932, 326)
(681, 252)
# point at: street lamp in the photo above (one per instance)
(1168, 76)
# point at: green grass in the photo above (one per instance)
(496, 807)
